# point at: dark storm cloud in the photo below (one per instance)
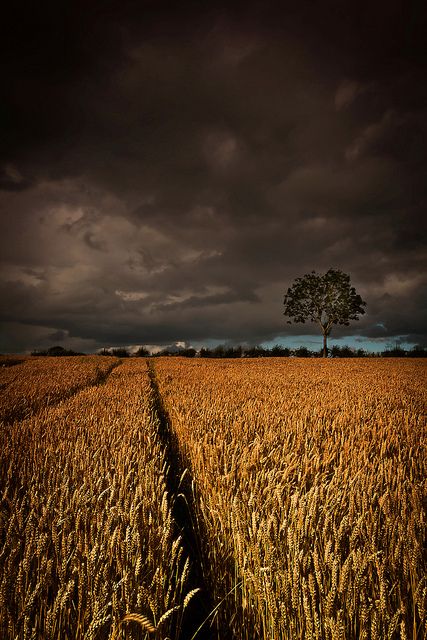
(167, 171)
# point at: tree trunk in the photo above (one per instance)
(325, 345)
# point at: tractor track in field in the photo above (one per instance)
(18, 414)
(198, 612)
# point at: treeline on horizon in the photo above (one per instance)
(239, 351)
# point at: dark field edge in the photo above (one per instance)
(10, 362)
(17, 414)
(199, 611)
(5, 363)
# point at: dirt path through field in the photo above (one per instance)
(23, 407)
(199, 612)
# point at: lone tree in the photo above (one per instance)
(326, 299)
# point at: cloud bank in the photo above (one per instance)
(166, 174)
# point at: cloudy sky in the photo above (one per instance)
(167, 170)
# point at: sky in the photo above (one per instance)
(168, 169)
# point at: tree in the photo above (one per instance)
(326, 299)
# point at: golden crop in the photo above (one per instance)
(307, 480)
(39, 382)
(86, 530)
(309, 483)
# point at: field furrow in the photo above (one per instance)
(179, 482)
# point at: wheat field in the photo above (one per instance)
(39, 382)
(306, 486)
(86, 530)
(309, 485)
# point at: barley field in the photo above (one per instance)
(304, 480)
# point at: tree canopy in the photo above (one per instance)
(325, 299)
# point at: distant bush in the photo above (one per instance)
(120, 353)
(256, 351)
(176, 351)
(142, 352)
(418, 352)
(303, 352)
(205, 353)
(56, 351)
(397, 352)
(233, 352)
(188, 353)
(279, 352)
(117, 352)
(222, 351)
